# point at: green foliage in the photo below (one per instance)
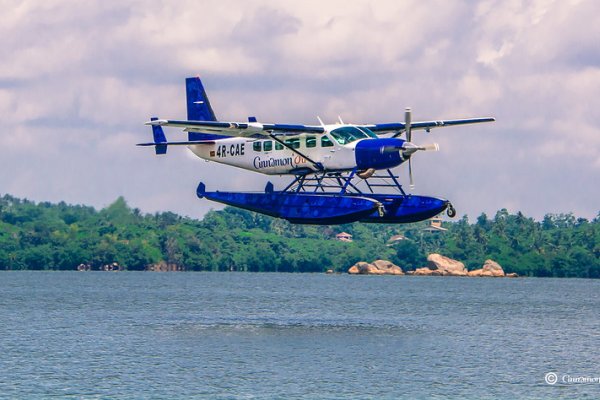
(60, 237)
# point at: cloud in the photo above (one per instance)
(81, 79)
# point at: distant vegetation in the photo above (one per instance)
(44, 236)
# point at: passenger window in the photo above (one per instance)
(278, 146)
(256, 146)
(293, 143)
(311, 141)
(268, 146)
(325, 142)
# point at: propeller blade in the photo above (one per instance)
(407, 122)
(430, 147)
(412, 184)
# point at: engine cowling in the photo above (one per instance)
(380, 153)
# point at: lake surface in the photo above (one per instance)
(242, 335)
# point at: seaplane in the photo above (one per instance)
(342, 173)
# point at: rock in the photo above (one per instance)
(492, 268)
(446, 266)
(421, 271)
(112, 267)
(84, 267)
(361, 267)
(425, 272)
(475, 272)
(378, 267)
(480, 272)
(163, 266)
(329, 271)
(512, 275)
(388, 267)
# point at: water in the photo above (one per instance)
(242, 335)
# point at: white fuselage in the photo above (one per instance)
(267, 156)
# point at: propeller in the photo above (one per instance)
(409, 148)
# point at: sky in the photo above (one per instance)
(79, 79)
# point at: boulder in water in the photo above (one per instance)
(445, 266)
(377, 267)
(490, 269)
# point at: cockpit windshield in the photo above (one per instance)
(349, 134)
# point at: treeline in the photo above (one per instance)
(45, 236)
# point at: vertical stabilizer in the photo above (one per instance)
(198, 106)
(199, 109)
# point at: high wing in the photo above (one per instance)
(246, 129)
(238, 129)
(399, 127)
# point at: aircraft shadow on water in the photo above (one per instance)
(341, 172)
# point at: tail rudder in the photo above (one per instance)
(199, 109)
(198, 106)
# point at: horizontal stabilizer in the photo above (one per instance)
(160, 140)
(186, 143)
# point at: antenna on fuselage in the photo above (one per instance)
(320, 121)
(340, 119)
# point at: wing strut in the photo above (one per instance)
(317, 165)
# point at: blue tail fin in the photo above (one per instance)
(198, 108)
(159, 137)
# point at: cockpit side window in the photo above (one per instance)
(349, 134)
(369, 132)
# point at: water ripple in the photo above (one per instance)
(246, 336)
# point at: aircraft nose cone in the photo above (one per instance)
(408, 149)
